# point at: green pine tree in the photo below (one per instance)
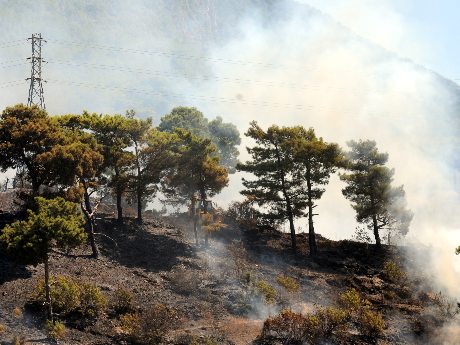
(56, 223)
(376, 202)
(315, 160)
(278, 188)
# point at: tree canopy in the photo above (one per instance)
(56, 223)
(277, 187)
(225, 136)
(376, 202)
(31, 140)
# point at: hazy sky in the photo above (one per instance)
(424, 30)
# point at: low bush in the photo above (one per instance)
(65, 294)
(370, 323)
(68, 296)
(149, 326)
(19, 340)
(350, 300)
(17, 313)
(123, 301)
(290, 284)
(55, 330)
(2, 328)
(393, 271)
(266, 290)
(325, 324)
(92, 301)
(330, 319)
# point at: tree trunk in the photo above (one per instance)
(119, 194)
(49, 307)
(119, 207)
(195, 228)
(311, 228)
(376, 231)
(288, 203)
(139, 206)
(139, 185)
(203, 208)
(88, 212)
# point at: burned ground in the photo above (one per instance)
(218, 292)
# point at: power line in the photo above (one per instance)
(175, 95)
(190, 76)
(164, 53)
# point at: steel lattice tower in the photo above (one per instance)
(36, 81)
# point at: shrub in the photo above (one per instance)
(266, 290)
(291, 328)
(370, 323)
(150, 326)
(92, 301)
(2, 328)
(185, 282)
(56, 330)
(17, 313)
(65, 294)
(68, 296)
(123, 300)
(19, 340)
(351, 300)
(247, 277)
(330, 319)
(288, 283)
(393, 271)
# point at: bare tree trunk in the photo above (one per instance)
(139, 206)
(203, 207)
(49, 306)
(88, 212)
(376, 231)
(311, 228)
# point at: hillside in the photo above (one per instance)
(213, 291)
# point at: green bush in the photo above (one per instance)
(68, 296)
(65, 294)
(330, 319)
(350, 300)
(288, 283)
(266, 290)
(123, 301)
(393, 271)
(149, 326)
(370, 323)
(92, 301)
(56, 330)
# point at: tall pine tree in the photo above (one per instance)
(277, 188)
(376, 202)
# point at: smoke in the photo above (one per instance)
(311, 71)
(277, 62)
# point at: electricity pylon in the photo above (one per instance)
(36, 82)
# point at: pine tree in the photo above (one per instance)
(315, 160)
(277, 187)
(27, 139)
(225, 136)
(56, 223)
(376, 202)
(197, 170)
